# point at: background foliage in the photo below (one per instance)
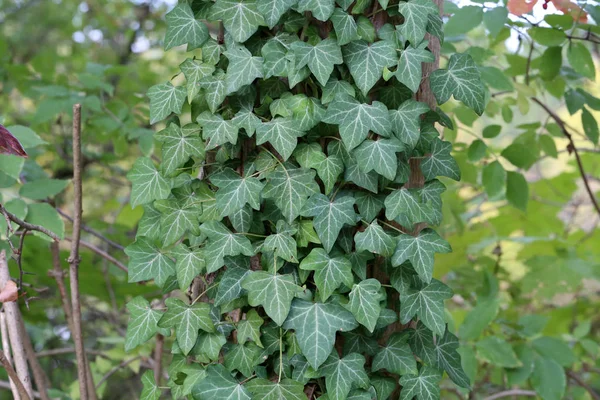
(524, 266)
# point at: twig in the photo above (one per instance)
(39, 376)
(116, 369)
(6, 385)
(14, 377)
(91, 231)
(158, 354)
(20, 259)
(74, 256)
(101, 253)
(513, 392)
(68, 350)
(27, 225)
(571, 147)
(6, 347)
(528, 66)
(583, 384)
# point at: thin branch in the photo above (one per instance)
(528, 67)
(513, 392)
(587, 38)
(571, 148)
(27, 225)
(158, 354)
(583, 384)
(101, 253)
(39, 375)
(14, 377)
(91, 231)
(74, 256)
(6, 347)
(6, 385)
(68, 350)
(116, 369)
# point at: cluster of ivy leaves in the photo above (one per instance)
(284, 190)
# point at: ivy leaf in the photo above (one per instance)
(275, 61)
(150, 390)
(235, 191)
(147, 262)
(246, 119)
(230, 286)
(369, 205)
(147, 183)
(335, 87)
(357, 119)
(344, 26)
(320, 58)
(364, 302)
(406, 121)
(290, 188)
(367, 61)
(211, 344)
(249, 328)
(282, 133)
(330, 272)
(219, 384)
(380, 156)
(188, 265)
(142, 324)
(375, 240)
(419, 250)
(320, 9)
(329, 216)
(240, 17)
(184, 28)
(164, 100)
(341, 375)
(217, 130)
(193, 73)
(177, 218)
(416, 15)
(462, 80)
(282, 244)
(396, 357)
(409, 70)
(223, 243)
(440, 162)
(329, 169)
(186, 320)
(427, 304)
(179, 144)
(424, 386)
(307, 112)
(215, 90)
(315, 325)
(273, 10)
(274, 292)
(406, 205)
(243, 68)
(286, 389)
(366, 180)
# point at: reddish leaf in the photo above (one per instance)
(9, 144)
(520, 7)
(9, 292)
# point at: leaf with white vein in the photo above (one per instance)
(341, 375)
(186, 320)
(184, 28)
(243, 68)
(364, 303)
(375, 240)
(222, 242)
(274, 292)
(219, 384)
(282, 243)
(368, 60)
(147, 183)
(194, 72)
(424, 386)
(330, 216)
(427, 304)
(290, 188)
(273, 10)
(396, 357)
(420, 250)
(147, 262)
(440, 162)
(240, 17)
(379, 156)
(406, 121)
(189, 264)
(344, 26)
(282, 133)
(164, 100)
(330, 272)
(320, 9)
(409, 70)
(235, 191)
(416, 16)
(142, 325)
(320, 58)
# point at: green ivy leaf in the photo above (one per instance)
(230, 286)
(320, 58)
(142, 324)
(406, 121)
(194, 72)
(343, 374)
(406, 207)
(396, 357)
(416, 15)
(422, 386)
(427, 304)
(177, 218)
(344, 26)
(164, 100)
(329, 216)
(243, 68)
(150, 390)
(184, 28)
(249, 328)
(222, 242)
(330, 272)
(186, 320)
(147, 183)
(357, 119)
(147, 262)
(440, 162)
(286, 389)
(320, 9)
(273, 10)
(217, 130)
(379, 156)
(409, 70)
(282, 133)
(335, 87)
(215, 90)
(189, 264)
(462, 80)
(290, 188)
(369, 205)
(219, 384)
(179, 144)
(364, 303)
(236, 191)
(240, 17)
(419, 250)
(282, 243)
(367, 61)
(315, 325)
(274, 292)
(375, 240)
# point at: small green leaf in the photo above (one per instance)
(219, 384)
(147, 183)
(273, 10)
(366, 61)
(548, 379)
(286, 389)
(590, 126)
(427, 304)
(419, 250)
(236, 191)
(464, 20)
(164, 100)
(344, 26)
(422, 386)
(497, 352)
(274, 292)
(240, 17)
(440, 162)
(375, 240)
(406, 121)
(222, 242)
(243, 68)
(329, 216)
(320, 9)
(343, 374)
(493, 178)
(282, 243)
(186, 320)
(547, 36)
(189, 264)
(290, 189)
(409, 70)
(491, 131)
(215, 90)
(396, 357)
(179, 144)
(142, 325)
(416, 13)
(45, 215)
(194, 72)
(581, 60)
(44, 188)
(249, 328)
(364, 303)
(217, 130)
(282, 133)
(517, 190)
(379, 156)
(320, 58)
(184, 28)
(330, 272)
(477, 150)
(150, 390)
(555, 349)
(494, 20)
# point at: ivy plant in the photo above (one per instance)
(290, 220)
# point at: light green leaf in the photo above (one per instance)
(274, 292)
(357, 119)
(440, 162)
(555, 349)
(194, 72)
(335, 87)
(320, 9)
(223, 243)
(375, 240)
(177, 218)
(396, 357)
(282, 133)
(364, 180)
(194, 374)
(344, 26)
(406, 207)
(210, 344)
(290, 188)
(320, 58)
(147, 183)
(479, 318)
(178, 145)
(186, 320)
(149, 224)
(328, 170)
(590, 125)
(150, 390)
(409, 70)
(548, 379)
(275, 61)
(494, 20)
(581, 60)
(341, 375)
(419, 250)
(217, 130)
(329, 216)
(416, 14)
(462, 80)
(215, 90)
(164, 100)
(282, 243)
(230, 286)
(424, 386)
(464, 20)
(497, 351)
(240, 17)
(286, 389)
(26, 136)
(142, 325)
(364, 303)
(235, 191)
(366, 61)
(517, 190)
(307, 112)
(184, 28)
(330, 272)
(379, 156)
(315, 325)
(493, 178)
(41, 189)
(219, 384)
(249, 329)
(273, 10)
(189, 264)
(246, 119)
(406, 121)
(147, 262)
(243, 68)
(427, 304)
